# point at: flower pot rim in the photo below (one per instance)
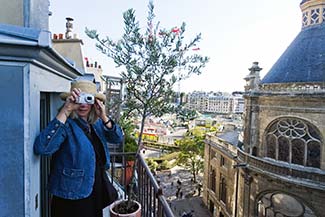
(120, 201)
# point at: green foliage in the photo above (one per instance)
(130, 144)
(164, 165)
(198, 131)
(191, 154)
(152, 164)
(185, 114)
(152, 62)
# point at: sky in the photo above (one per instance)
(234, 33)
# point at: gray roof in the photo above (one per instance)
(303, 61)
(230, 137)
(303, 1)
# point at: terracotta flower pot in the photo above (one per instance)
(136, 213)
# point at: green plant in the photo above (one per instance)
(153, 62)
(191, 153)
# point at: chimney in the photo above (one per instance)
(69, 26)
(27, 13)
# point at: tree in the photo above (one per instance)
(153, 62)
(191, 153)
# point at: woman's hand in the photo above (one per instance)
(69, 105)
(100, 110)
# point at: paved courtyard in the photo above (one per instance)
(180, 190)
(182, 193)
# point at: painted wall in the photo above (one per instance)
(12, 140)
(21, 85)
(28, 13)
(8, 8)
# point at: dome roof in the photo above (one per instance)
(304, 59)
(303, 1)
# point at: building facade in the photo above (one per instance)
(281, 168)
(213, 102)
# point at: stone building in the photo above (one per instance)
(215, 102)
(281, 168)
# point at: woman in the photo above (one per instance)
(77, 140)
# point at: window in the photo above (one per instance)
(212, 154)
(222, 161)
(294, 141)
(213, 180)
(223, 189)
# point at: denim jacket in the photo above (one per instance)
(73, 157)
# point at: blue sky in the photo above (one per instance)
(234, 33)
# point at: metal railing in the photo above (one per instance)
(149, 193)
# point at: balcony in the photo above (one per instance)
(307, 175)
(149, 193)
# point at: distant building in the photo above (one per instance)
(280, 169)
(215, 102)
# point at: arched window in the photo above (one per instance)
(294, 141)
(281, 205)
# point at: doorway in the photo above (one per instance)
(45, 197)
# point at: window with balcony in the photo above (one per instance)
(294, 141)
(223, 189)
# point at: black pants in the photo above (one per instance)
(75, 208)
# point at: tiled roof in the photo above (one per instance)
(303, 61)
(303, 1)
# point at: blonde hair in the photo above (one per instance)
(92, 116)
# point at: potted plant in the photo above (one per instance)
(153, 63)
(121, 208)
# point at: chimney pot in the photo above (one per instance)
(69, 26)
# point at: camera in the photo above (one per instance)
(85, 98)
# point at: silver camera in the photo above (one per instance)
(85, 98)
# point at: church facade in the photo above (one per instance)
(280, 169)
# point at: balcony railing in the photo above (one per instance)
(149, 193)
(283, 169)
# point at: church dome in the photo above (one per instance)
(304, 60)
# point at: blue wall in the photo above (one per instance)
(11, 141)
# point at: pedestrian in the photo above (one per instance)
(181, 194)
(77, 141)
(200, 188)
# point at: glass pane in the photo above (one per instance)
(313, 154)
(283, 149)
(270, 146)
(313, 132)
(298, 151)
